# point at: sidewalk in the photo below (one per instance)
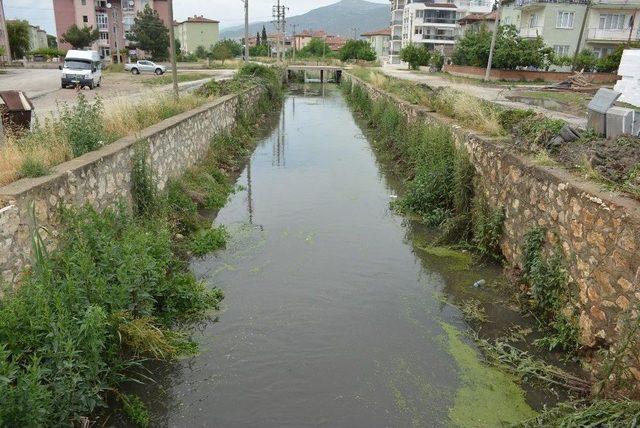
(488, 93)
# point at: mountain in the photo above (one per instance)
(338, 19)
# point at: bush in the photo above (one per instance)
(83, 125)
(586, 60)
(415, 55)
(357, 49)
(31, 167)
(611, 62)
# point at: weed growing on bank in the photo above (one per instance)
(440, 185)
(549, 290)
(112, 295)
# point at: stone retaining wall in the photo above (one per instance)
(103, 178)
(598, 231)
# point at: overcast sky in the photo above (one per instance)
(228, 12)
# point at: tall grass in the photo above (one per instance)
(440, 177)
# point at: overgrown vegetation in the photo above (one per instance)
(550, 293)
(440, 177)
(595, 414)
(112, 295)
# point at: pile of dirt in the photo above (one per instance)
(616, 160)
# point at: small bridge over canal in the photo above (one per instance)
(326, 72)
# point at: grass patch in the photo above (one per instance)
(587, 414)
(167, 79)
(32, 168)
(470, 111)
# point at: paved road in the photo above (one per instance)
(489, 93)
(43, 87)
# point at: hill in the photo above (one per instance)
(338, 18)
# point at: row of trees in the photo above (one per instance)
(352, 50)
(512, 52)
(221, 51)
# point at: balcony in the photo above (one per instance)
(531, 32)
(430, 20)
(103, 42)
(597, 34)
(541, 3)
(396, 22)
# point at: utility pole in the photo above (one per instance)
(293, 42)
(246, 31)
(278, 12)
(487, 73)
(172, 53)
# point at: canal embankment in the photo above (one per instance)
(107, 285)
(574, 241)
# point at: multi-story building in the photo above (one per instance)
(302, 39)
(569, 26)
(395, 44)
(37, 38)
(197, 31)
(113, 18)
(433, 23)
(4, 38)
(380, 42)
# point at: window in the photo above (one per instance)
(102, 20)
(104, 36)
(85, 19)
(612, 21)
(565, 20)
(533, 21)
(84, 2)
(561, 50)
(507, 20)
(602, 52)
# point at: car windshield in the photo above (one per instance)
(77, 65)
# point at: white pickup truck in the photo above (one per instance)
(144, 66)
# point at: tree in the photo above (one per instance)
(264, 38)
(586, 60)
(415, 55)
(52, 42)
(611, 62)
(221, 52)
(150, 33)
(259, 50)
(511, 50)
(18, 32)
(233, 46)
(357, 49)
(80, 38)
(315, 48)
(201, 52)
(258, 38)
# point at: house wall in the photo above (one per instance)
(4, 39)
(194, 34)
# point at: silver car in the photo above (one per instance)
(144, 66)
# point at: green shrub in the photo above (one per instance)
(60, 327)
(488, 226)
(32, 168)
(143, 187)
(550, 293)
(135, 410)
(83, 125)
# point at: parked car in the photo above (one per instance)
(81, 68)
(144, 66)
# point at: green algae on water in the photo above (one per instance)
(488, 397)
(457, 260)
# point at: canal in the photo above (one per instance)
(337, 311)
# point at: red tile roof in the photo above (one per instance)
(476, 17)
(381, 32)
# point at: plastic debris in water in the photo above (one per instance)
(393, 196)
(479, 283)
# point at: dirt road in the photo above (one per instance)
(489, 93)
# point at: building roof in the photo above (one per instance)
(197, 20)
(478, 17)
(312, 33)
(380, 32)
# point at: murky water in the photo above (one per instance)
(333, 315)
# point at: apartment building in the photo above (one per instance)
(432, 23)
(37, 38)
(380, 41)
(569, 26)
(197, 31)
(113, 18)
(4, 38)
(302, 39)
